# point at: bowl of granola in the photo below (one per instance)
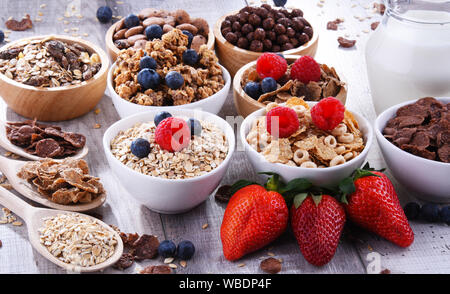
(242, 36)
(135, 30)
(168, 75)
(170, 162)
(251, 93)
(301, 144)
(414, 138)
(52, 78)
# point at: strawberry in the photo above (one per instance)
(371, 202)
(254, 217)
(317, 223)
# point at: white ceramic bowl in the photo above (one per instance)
(212, 104)
(325, 177)
(168, 195)
(427, 179)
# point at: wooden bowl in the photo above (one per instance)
(246, 104)
(233, 57)
(113, 51)
(58, 103)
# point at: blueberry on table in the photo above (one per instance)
(174, 80)
(160, 116)
(132, 20)
(140, 147)
(279, 3)
(412, 210)
(167, 248)
(190, 37)
(104, 14)
(153, 32)
(185, 250)
(195, 126)
(148, 79)
(147, 62)
(430, 212)
(268, 85)
(190, 57)
(445, 215)
(2, 36)
(253, 89)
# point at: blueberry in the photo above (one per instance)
(190, 37)
(445, 215)
(104, 14)
(430, 212)
(279, 3)
(153, 32)
(160, 116)
(195, 126)
(148, 78)
(140, 147)
(174, 80)
(281, 55)
(185, 250)
(132, 21)
(2, 36)
(268, 85)
(147, 62)
(253, 89)
(167, 248)
(412, 210)
(190, 57)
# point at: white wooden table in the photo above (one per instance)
(361, 253)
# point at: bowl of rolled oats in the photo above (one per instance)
(52, 78)
(170, 162)
(168, 75)
(318, 141)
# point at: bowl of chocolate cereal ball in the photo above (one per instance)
(414, 138)
(52, 78)
(242, 36)
(318, 141)
(170, 161)
(167, 74)
(134, 30)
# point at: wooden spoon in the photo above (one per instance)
(10, 168)
(5, 143)
(34, 218)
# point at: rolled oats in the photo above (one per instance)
(203, 154)
(77, 239)
(49, 63)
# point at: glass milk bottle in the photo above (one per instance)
(408, 56)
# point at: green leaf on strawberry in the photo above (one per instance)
(299, 198)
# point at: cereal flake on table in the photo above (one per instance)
(199, 82)
(203, 154)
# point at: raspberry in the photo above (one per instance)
(271, 65)
(305, 69)
(172, 134)
(328, 113)
(287, 122)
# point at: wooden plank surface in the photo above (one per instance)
(430, 252)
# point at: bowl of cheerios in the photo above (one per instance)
(319, 141)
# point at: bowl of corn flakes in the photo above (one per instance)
(323, 156)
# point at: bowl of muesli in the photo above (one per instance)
(168, 75)
(271, 79)
(52, 78)
(414, 138)
(170, 162)
(318, 141)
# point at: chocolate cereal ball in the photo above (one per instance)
(268, 23)
(254, 20)
(242, 43)
(247, 28)
(231, 37)
(260, 34)
(256, 46)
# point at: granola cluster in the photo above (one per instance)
(77, 239)
(309, 146)
(328, 85)
(203, 154)
(64, 182)
(49, 63)
(199, 82)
